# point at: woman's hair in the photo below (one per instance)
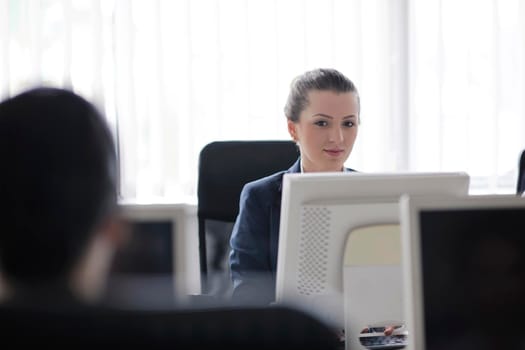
(323, 79)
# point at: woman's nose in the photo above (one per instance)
(336, 134)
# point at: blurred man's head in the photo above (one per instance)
(57, 184)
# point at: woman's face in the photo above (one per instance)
(326, 130)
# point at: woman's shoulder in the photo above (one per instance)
(262, 191)
(270, 185)
(266, 183)
(273, 181)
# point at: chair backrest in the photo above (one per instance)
(521, 174)
(224, 168)
(231, 328)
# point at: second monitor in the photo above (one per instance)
(156, 266)
(319, 210)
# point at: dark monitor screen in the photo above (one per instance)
(473, 270)
(142, 273)
(148, 250)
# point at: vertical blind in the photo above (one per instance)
(441, 81)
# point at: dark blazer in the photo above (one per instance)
(255, 239)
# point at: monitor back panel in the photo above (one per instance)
(318, 212)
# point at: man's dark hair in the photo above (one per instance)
(57, 183)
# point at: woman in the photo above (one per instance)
(322, 113)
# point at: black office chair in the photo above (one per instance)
(224, 168)
(221, 328)
(521, 174)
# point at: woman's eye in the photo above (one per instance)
(321, 123)
(348, 123)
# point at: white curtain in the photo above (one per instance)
(441, 81)
(467, 89)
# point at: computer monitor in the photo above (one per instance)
(464, 267)
(153, 267)
(318, 211)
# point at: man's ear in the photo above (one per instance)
(115, 229)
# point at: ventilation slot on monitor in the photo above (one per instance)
(313, 250)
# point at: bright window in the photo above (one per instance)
(441, 82)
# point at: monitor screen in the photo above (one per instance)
(147, 251)
(471, 277)
(148, 269)
(319, 210)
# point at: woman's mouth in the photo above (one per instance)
(334, 152)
